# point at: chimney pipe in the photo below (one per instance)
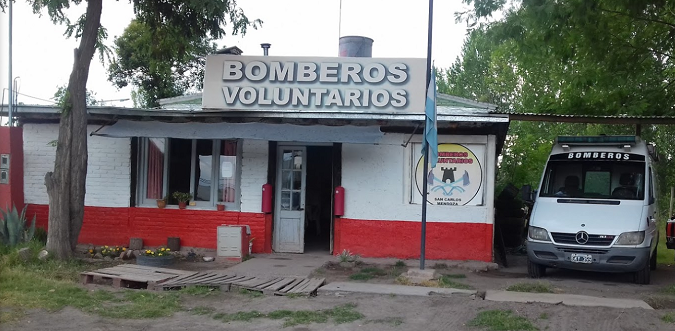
(266, 48)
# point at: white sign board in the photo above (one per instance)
(235, 82)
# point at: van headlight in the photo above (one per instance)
(538, 233)
(631, 238)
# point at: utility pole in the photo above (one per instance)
(11, 90)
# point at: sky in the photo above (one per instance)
(43, 56)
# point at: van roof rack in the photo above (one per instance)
(597, 140)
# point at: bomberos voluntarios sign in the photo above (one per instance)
(334, 84)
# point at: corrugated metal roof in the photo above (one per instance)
(583, 118)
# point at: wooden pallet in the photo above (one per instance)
(282, 285)
(132, 275)
(208, 278)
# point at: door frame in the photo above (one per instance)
(277, 187)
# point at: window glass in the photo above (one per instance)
(185, 165)
(594, 179)
(156, 148)
(180, 167)
(203, 170)
(226, 172)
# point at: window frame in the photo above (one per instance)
(142, 171)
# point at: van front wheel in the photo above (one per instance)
(642, 276)
(535, 270)
(652, 260)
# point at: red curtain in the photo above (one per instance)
(155, 171)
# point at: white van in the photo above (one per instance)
(596, 208)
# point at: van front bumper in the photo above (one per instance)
(610, 259)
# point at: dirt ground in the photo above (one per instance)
(415, 313)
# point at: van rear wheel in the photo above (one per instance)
(535, 270)
(643, 276)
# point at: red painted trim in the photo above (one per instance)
(11, 142)
(196, 228)
(400, 239)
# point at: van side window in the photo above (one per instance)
(651, 186)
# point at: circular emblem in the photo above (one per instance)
(582, 237)
(456, 179)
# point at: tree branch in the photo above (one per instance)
(645, 19)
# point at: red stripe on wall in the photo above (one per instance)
(195, 228)
(400, 239)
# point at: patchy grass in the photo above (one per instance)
(374, 271)
(143, 304)
(669, 290)
(251, 294)
(340, 314)
(361, 276)
(401, 280)
(393, 321)
(668, 318)
(530, 287)
(664, 255)
(499, 320)
(202, 310)
(661, 302)
(51, 285)
(543, 316)
(455, 276)
(295, 295)
(11, 315)
(399, 264)
(200, 290)
(447, 281)
(440, 266)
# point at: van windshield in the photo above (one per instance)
(573, 175)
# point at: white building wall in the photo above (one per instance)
(108, 171)
(377, 184)
(253, 174)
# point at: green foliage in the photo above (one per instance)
(400, 264)
(60, 96)
(182, 196)
(569, 57)
(14, 229)
(668, 318)
(40, 235)
(347, 256)
(160, 64)
(498, 320)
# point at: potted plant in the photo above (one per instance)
(161, 203)
(159, 257)
(182, 198)
(220, 206)
(250, 245)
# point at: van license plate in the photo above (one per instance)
(581, 258)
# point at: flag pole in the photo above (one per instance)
(425, 180)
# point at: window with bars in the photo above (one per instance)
(207, 169)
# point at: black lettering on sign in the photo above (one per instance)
(597, 156)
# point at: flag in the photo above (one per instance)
(430, 129)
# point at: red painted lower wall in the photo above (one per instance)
(196, 228)
(400, 239)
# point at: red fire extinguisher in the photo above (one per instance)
(267, 198)
(339, 203)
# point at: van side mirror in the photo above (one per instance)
(526, 192)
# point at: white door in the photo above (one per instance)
(289, 220)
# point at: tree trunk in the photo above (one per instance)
(66, 185)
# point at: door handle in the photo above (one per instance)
(652, 219)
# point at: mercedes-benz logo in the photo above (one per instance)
(582, 237)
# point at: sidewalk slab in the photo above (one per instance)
(390, 289)
(565, 299)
